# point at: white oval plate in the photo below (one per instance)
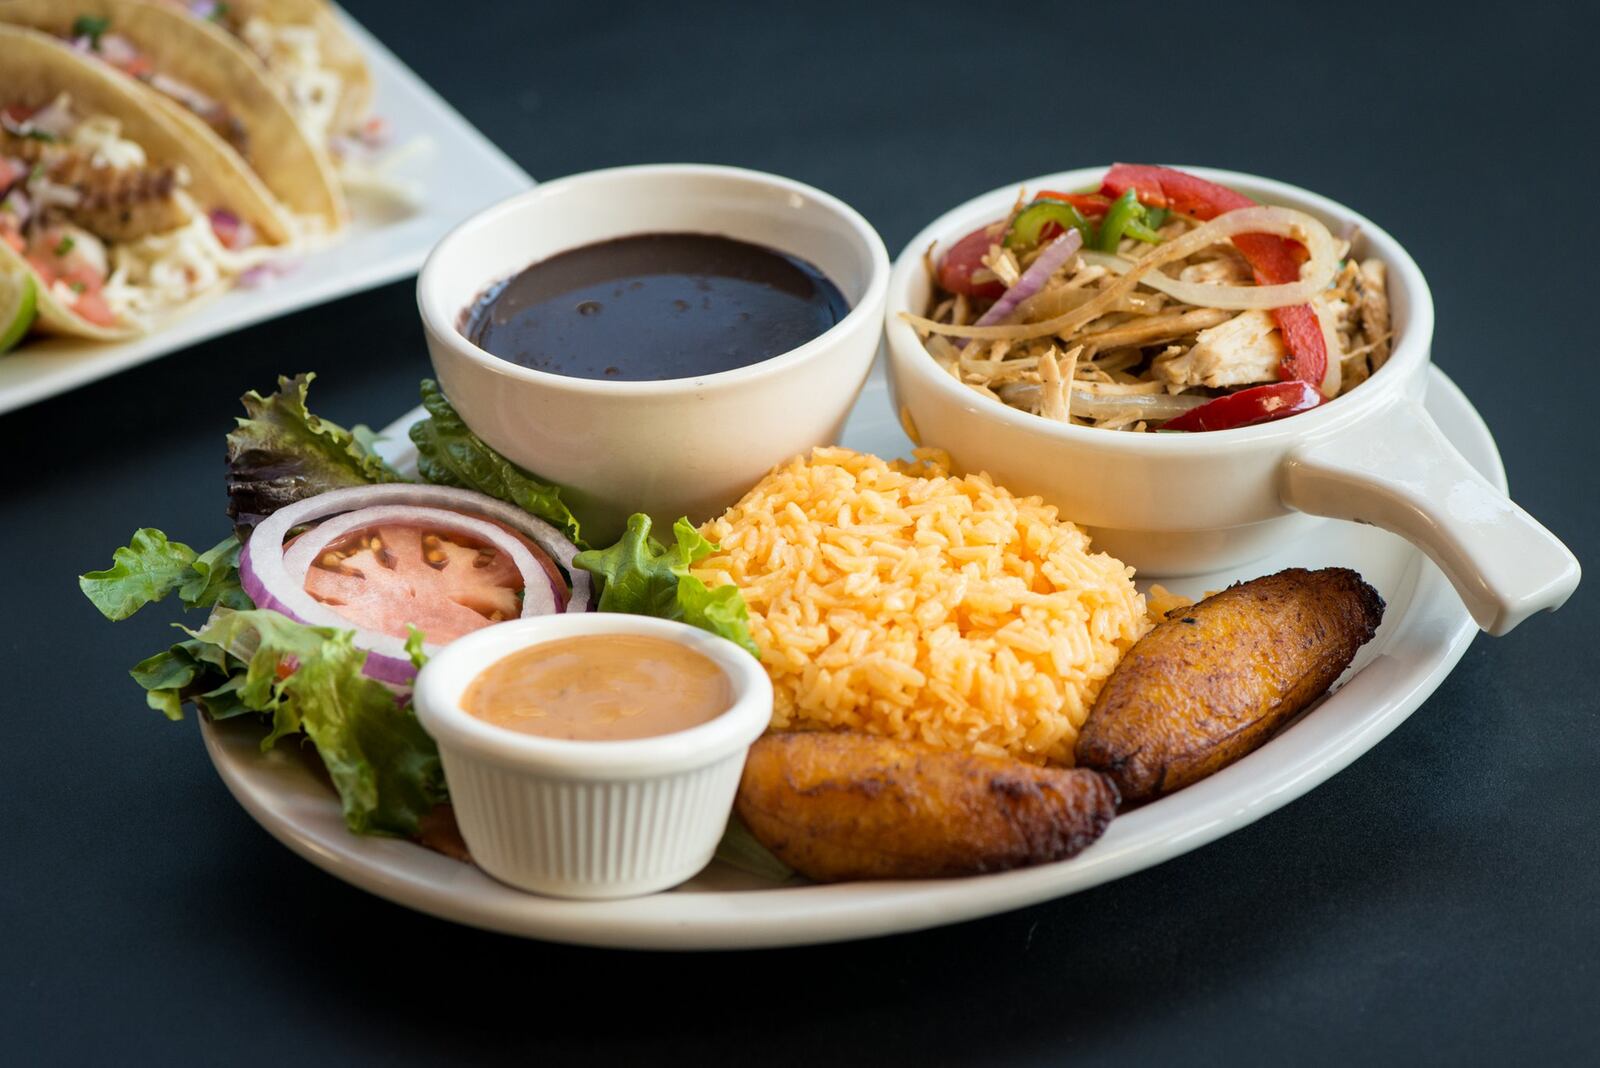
(1424, 633)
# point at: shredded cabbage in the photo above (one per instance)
(102, 136)
(158, 273)
(293, 54)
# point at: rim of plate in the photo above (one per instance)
(1426, 642)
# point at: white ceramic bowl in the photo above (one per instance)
(1191, 503)
(689, 446)
(590, 819)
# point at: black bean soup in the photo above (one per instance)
(655, 306)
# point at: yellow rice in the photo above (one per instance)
(904, 601)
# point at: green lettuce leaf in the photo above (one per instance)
(383, 764)
(193, 671)
(449, 454)
(142, 572)
(216, 579)
(639, 576)
(164, 677)
(150, 567)
(307, 680)
(282, 453)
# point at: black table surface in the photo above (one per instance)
(1435, 901)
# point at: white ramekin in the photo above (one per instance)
(685, 446)
(1183, 504)
(590, 819)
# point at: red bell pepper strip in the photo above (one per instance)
(1275, 260)
(1258, 404)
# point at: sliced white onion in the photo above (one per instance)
(1225, 297)
(266, 573)
(1333, 377)
(1157, 407)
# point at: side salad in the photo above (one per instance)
(342, 575)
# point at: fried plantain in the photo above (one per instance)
(846, 805)
(1215, 680)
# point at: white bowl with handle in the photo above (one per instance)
(1182, 504)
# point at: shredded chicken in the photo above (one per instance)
(1375, 310)
(1242, 351)
(1157, 329)
(1053, 402)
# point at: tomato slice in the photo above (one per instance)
(56, 255)
(446, 584)
(91, 307)
(965, 257)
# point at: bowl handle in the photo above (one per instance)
(1410, 480)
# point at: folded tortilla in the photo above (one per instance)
(40, 70)
(267, 28)
(194, 62)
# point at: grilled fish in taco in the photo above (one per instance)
(120, 214)
(208, 82)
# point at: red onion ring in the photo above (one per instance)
(271, 581)
(1052, 259)
(539, 598)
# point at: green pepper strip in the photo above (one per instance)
(1126, 217)
(1030, 222)
(1141, 231)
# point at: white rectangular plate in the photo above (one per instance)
(455, 166)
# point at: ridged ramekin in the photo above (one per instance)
(585, 819)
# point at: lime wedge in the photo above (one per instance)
(19, 300)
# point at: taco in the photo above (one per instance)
(121, 215)
(208, 82)
(306, 52)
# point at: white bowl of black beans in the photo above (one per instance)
(655, 338)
